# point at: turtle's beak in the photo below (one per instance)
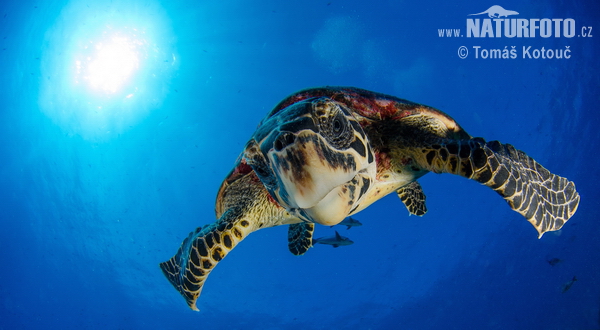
(340, 201)
(324, 182)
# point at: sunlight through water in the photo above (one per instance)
(105, 66)
(111, 65)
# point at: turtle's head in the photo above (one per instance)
(315, 160)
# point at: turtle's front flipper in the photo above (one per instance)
(545, 199)
(201, 251)
(300, 237)
(413, 198)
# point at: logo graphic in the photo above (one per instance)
(498, 25)
(497, 12)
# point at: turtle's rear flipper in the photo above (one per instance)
(200, 252)
(413, 198)
(545, 199)
(300, 237)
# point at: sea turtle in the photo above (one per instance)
(323, 154)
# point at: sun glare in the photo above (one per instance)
(106, 65)
(109, 64)
(113, 65)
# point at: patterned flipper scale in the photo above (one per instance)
(413, 198)
(300, 237)
(201, 251)
(546, 200)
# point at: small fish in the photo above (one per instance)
(568, 285)
(350, 222)
(335, 241)
(554, 261)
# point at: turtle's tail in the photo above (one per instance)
(199, 254)
(546, 200)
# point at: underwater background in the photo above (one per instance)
(120, 119)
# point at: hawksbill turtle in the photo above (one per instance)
(323, 154)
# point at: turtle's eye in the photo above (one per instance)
(333, 124)
(336, 129)
(337, 124)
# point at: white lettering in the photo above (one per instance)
(510, 28)
(569, 27)
(526, 52)
(498, 27)
(519, 28)
(486, 29)
(546, 53)
(473, 27)
(533, 26)
(545, 28)
(557, 26)
(522, 29)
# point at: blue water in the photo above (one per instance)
(97, 186)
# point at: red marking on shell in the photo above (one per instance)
(363, 102)
(272, 200)
(383, 103)
(255, 178)
(378, 108)
(242, 168)
(383, 161)
(406, 160)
